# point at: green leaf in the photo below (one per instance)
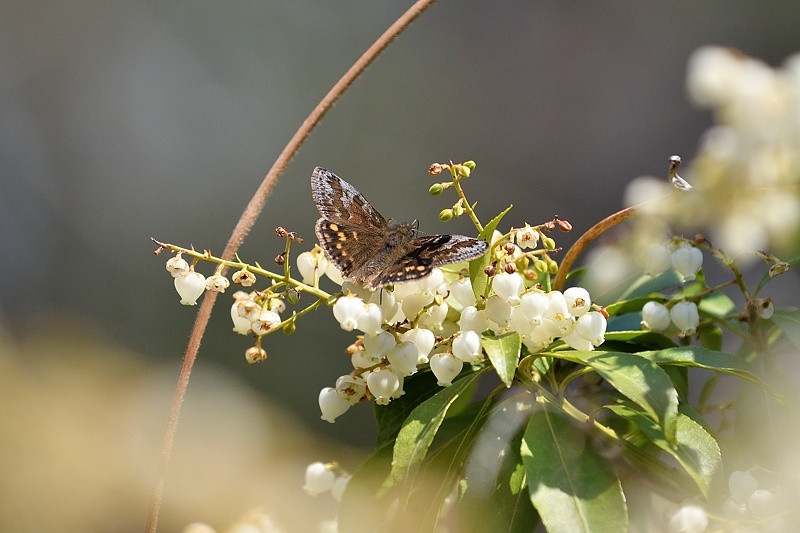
(696, 450)
(419, 429)
(717, 305)
(571, 486)
(489, 228)
(648, 284)
(640, 380)
(494, 497)
(640, 338)
(503, 352)
(390, 417)
(789, 321)
(477, 275)
(700, 357)
(633, 305)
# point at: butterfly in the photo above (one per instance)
(373, 251)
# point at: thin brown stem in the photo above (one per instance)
(594, 232)
(246, 222)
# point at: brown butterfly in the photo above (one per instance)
(375, 252)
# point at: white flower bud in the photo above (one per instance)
(689, 519)
(445, 366)
(655, 316)
(431, 283)
(461, 291)
(467, 347)
(334, 274)
(347, 311)
(687, 260)
(527, 237)
(577, 342)
(177, 266)
(508, 286)
(520, 322)
(556, 305)
(382, 384)
(423, 340)
(578, 301)
(190, 287)
(318, 479)
(403, 358)
(684, 315)
(363, 359)
(473, 320)
(331, 404)
(308, 267)
(386, 301)
(413, 303)
(240, 324)
(370, 320)
(534, 304)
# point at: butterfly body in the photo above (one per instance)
(375, 252)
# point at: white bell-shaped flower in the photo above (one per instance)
(190, 286)
(351, 388)
(319, 479)
(334, 274)
(378, 345)
(537, 340)
(371, 319)
(527, 237)
(423, 339)
(386, 301)
(431, 283)
(690, 518)
(520, 322)
(656, 259)
(508, 286)
(446, 366)
(311, 265)
(592, 327)
(687, 260)
(337, 490)
(762, 503)
(578, 301)
(461, 291)
(655, 316)
(498, 310)
(741, 485)
(331, 404)
(467, 347)
(413, 303)
(404, 357)
(473, 320)
(433, 317)
(685, 316)
(734, 510)
(347, 310)
(382, 384)
(266, 321)
(240, 324)
(363, 359)
(177, 266)
(534, 304)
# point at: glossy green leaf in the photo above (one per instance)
(390, 417)
(717, 305)
(477, 275)
(503, 352)
(695, 450)
(789, 321)
(640, 380)
(419, 429)
(494, 494)
(572, 487)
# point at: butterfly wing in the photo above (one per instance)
(340, 203)
(349, 247)
(426, 253)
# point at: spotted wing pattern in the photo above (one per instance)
(369, 250)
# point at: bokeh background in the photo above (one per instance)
(125, 120)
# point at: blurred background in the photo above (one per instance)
(128, 120)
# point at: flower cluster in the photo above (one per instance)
(747, 171)
(321, 478)
(439, 323)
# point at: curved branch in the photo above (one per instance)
(246, 222)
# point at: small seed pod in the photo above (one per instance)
(510, 268)
(445, 215)
(436, 189)
(490, 270)
(435, 169)
(281, 231)
(280, 258)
